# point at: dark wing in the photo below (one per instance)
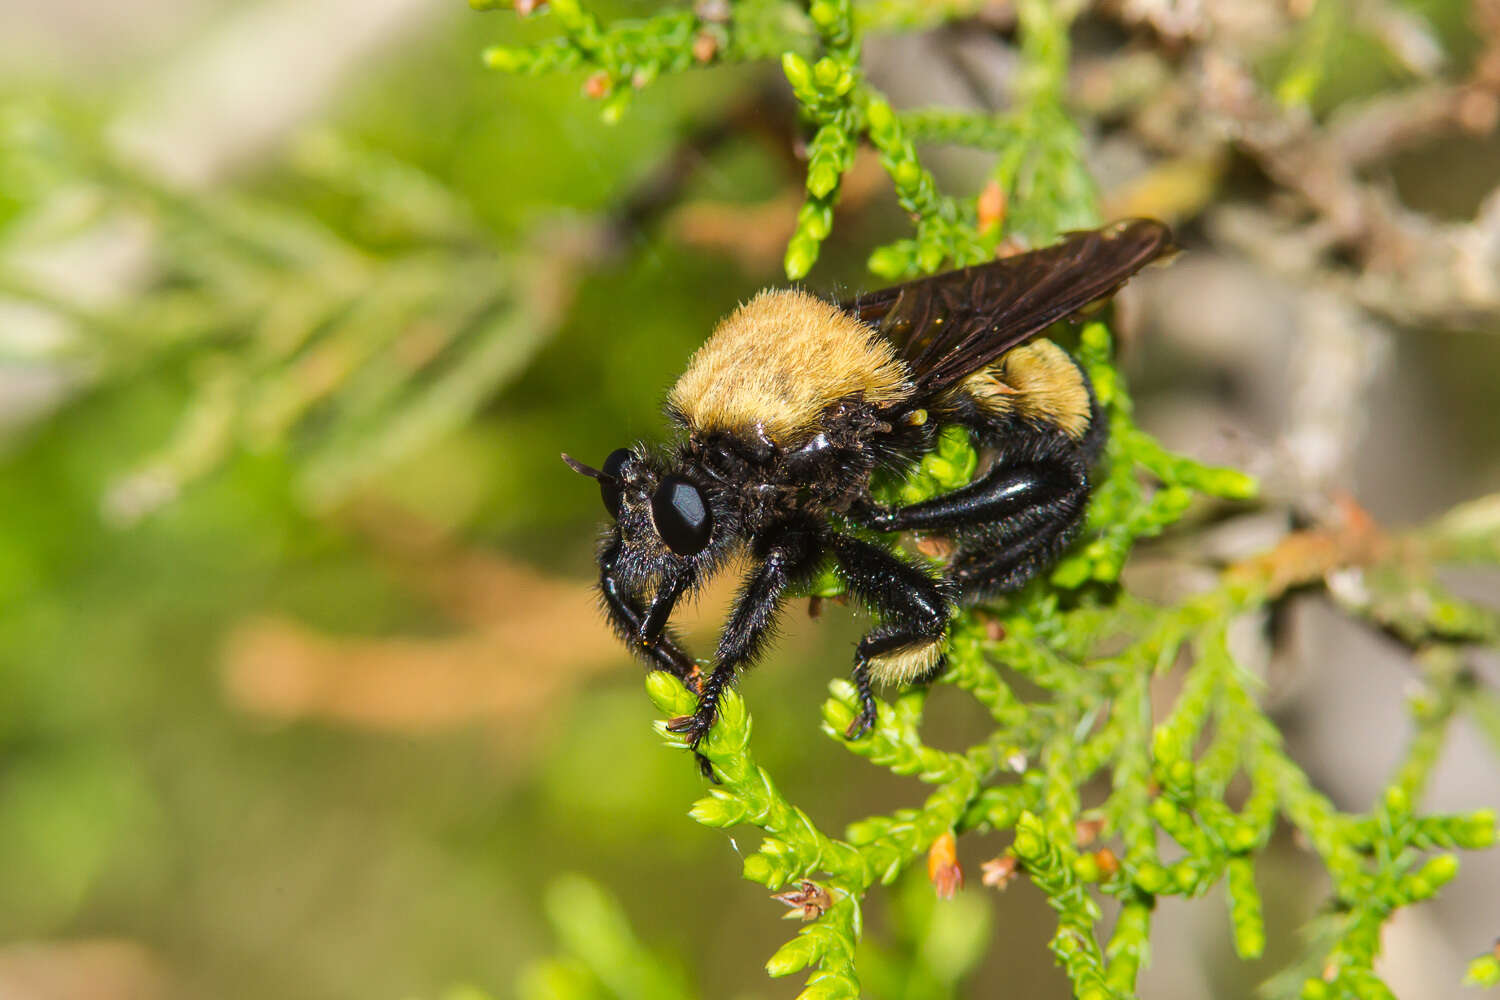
(950, 325)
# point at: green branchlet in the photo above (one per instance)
(1040, 171)
(1129, 946)
(1049, 864)
(1484, 971)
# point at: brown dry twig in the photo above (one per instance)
(1307, 557)
(1194, 99)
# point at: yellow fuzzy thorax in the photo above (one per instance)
(778, 361)
(1038, 382)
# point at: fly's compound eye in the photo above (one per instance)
(609, 483)
(681, 516)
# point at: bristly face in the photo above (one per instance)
(671, 523)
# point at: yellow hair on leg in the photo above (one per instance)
(904, 665)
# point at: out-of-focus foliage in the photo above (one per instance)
(353, 349)
(279, 717)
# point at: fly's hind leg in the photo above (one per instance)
(1012, 521)
(908, 645)
(1006, 565)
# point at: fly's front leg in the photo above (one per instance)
(645, 631)
(654, 627)
(787, 555)
(914, 610)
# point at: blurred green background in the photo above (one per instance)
(302, 690)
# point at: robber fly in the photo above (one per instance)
(793, 403)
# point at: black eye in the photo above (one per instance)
(609, 489)
(682, 517)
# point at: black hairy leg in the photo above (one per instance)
(644, 630)
(1032, 474)
(914, 611)
(785, 555)
(1013, 520)
(1009, 552)
(997, 568)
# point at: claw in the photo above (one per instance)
(862, 724)
(691, 726)
(694, 730)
